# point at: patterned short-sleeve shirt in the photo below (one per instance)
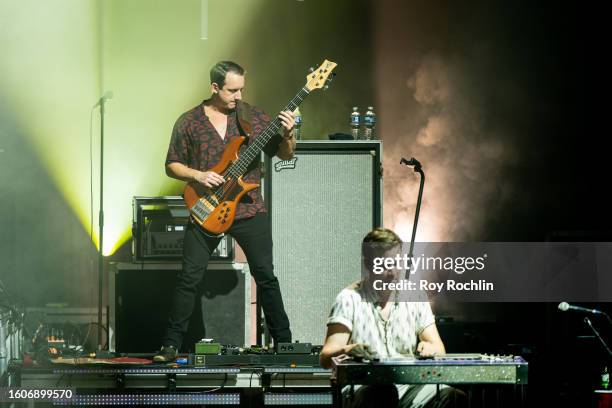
(196, 143)
(395, 337)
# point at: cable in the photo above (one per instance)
(59, 380)
(251, 378)
(89, 331)
(86, 336)
(218, 388)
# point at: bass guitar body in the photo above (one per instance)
(214, 208)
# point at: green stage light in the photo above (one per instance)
(59, 56)
(50, 78)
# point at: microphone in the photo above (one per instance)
(411, 162)
(564, 307)
(107, 95)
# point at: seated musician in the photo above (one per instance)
(368, 323)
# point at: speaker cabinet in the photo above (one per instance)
(141, 295)
(321, 203)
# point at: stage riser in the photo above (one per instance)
(141, 295)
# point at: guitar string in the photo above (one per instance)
(240, 166)
(247, 157)
(272, 128)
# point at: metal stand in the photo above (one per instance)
(417, 169)
(101, 226)
(602, 341)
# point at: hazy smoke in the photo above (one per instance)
(442, 124)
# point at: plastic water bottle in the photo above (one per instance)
(605, 379)
(355, 122)
(298, 124)
(369, 121)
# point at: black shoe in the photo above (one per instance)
(166, 354)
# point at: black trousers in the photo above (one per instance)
(254, 235)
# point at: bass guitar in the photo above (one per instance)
(214, 208)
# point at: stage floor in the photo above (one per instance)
(187, 385)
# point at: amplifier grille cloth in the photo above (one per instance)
(320, 212)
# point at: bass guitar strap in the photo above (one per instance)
(243, 114)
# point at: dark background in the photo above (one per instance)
(538, 70)
(553, 53)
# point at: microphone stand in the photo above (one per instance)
(417, 169)
(101, 225)
(605, 346)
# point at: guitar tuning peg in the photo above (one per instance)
(311, 69)
(329, 79)
(326, 87)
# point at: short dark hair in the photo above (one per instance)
(376, 243)
(219, 71)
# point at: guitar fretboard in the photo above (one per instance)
(239, 167)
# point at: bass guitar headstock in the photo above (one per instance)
(320, 77)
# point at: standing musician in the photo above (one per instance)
(199, 138)
(365, 324)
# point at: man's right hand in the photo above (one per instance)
(208, 178)
(359, 351)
